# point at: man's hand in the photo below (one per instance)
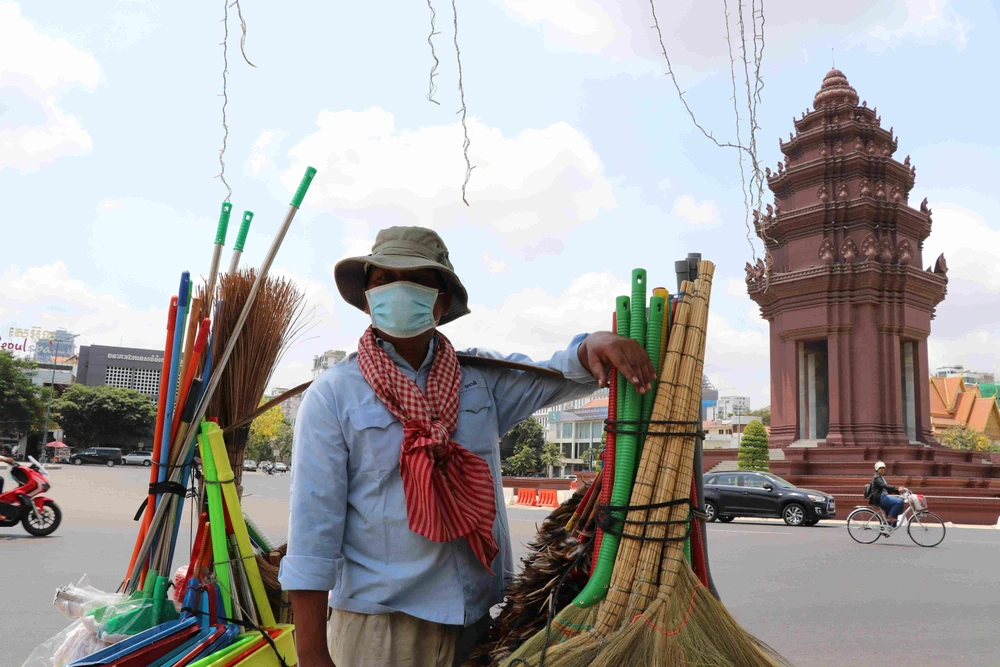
(600, 350)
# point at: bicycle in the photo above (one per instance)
(867, 523)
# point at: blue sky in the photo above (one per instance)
(586, 163)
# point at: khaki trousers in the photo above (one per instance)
(397, 640)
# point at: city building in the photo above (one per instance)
(723, 433)
(60, 347)
(290, 406)
(842, 283)
(709, 398)
(578, 433)
(729, 406)
(956, 403)
(542, 416)
(969, 376)
(126, 367)
(323, 361)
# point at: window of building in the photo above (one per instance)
(567, 430)
(583, 430)
(146, 381)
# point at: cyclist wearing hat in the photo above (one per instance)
(396, 496)
(892, 505)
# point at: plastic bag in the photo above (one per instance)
(100, 619)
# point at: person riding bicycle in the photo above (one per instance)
(880, 495)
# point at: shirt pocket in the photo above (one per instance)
(476, 428)
(376, 438)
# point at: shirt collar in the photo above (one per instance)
(397, 359)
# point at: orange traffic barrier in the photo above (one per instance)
(548, 498)
(526, 497)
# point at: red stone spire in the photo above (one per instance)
(848, 304)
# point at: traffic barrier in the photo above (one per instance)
(527, 497)
(548, 498)
(508, 496)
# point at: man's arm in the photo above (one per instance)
(317, 513)
(518, 394)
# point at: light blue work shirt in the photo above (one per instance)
(348, 531)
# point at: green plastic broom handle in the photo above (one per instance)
(216, 516)
(304, 184)
(625, 450)
(220, 232)
(653, 328)
(241, 237)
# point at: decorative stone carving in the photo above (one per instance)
(770, 212)
(756, 217)
(924, 208)
(880, 190)
(905, 251)
(826, 252)
(791, 137)
(941, 266)
(777, 207)
(886, 252)
(842, 192)
(848, 250)
(823, 194)
(864, 103)
(822, 149)
(760, 271)
(750, 273)
(767, 172)
(781, 168)
(906, 162)
(885, 150)
(768, 263)
(897, 194)
(836, 119)
(839, 147)
(864, 187)
(858, 144)
(871, 148)
(869, 247)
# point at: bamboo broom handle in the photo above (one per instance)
(220, 364)
(625, 567)
(673, 558)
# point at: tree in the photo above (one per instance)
(529, 431)
(268, 424)
(283, 442)
(21, 407)
(103, 415)
(551, 456)
(763, 413)
(965, 438)
(522, 462)
(753, 453)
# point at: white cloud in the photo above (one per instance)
(492, 265)
(921, 22)
(664, 184)
(696, 212)
(49, 297)
(527, 189)
(128, 28)
(39, 67)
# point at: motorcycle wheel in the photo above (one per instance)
(51, 518)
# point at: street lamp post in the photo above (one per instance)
(52, 390)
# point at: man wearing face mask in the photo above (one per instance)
(396, 501)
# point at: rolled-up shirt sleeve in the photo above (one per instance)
(318, 504)
(519, 393)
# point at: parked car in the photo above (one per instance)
(109, 456)
(280, 467)
(138, 459)
(249, 464)
(760, 494)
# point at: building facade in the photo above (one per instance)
(841, 285)
(126, 367)
(290, 406)
(968, 376)
(323, 361)
(732, 406)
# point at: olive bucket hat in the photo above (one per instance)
(401, 248)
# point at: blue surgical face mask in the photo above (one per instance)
(402, 309)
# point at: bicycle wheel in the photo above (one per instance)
(864, 526)
(926, 529)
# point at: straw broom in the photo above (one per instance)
(685, 624)
(580, 649)
(274, 322)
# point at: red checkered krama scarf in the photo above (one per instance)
(449, 490)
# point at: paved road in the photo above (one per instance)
(812, 593)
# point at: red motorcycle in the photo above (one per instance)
(39, 515)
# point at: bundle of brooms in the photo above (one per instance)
(655, 610)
